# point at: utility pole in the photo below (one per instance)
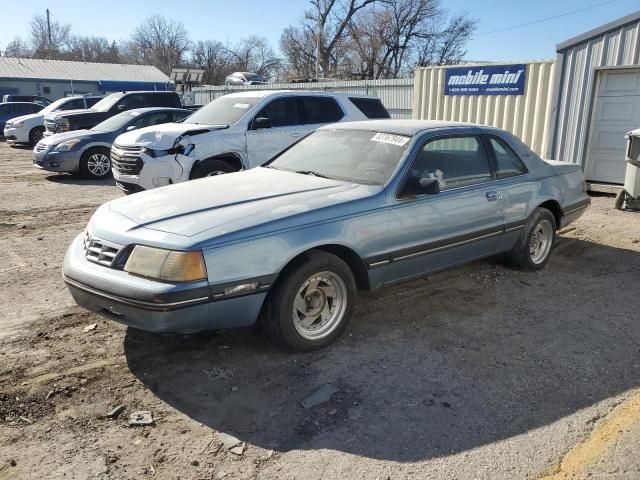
(49, 32)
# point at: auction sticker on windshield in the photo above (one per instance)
(398, 140)
(244, 106)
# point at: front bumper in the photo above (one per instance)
(151, 305)
(16, 135)
(57, 161)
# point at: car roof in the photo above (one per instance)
(268, 93)
(154, 109)
(401, 127)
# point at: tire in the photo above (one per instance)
(535, 244)
(211, 168)
(621, 196)
(332, 300)
(95, 164)
(35, 135)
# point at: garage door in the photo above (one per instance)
(617, 112)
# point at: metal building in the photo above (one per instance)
(54, 79)
(524, 113)
(596, 99)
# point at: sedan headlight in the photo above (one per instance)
(17, 125)
(166, 265)
(66, 146)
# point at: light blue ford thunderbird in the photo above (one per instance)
(351, 206)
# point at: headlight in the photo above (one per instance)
(166, 264)
(66, 146)
(17, 125)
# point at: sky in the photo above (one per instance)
(231, 20)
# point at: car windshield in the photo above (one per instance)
(107, 102)
(225, 110)
(356, 156)
(116, 122)
(252, 77)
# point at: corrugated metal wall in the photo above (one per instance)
(577, 67)
(525, 115)
(396, 94)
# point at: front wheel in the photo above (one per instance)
(35, 135)
(95, 164)
(211, 168)
(533, 249)
(312, 304)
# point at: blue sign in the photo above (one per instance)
(486, 80)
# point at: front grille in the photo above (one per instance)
(41, 147)
(126, 160)
(100, 251)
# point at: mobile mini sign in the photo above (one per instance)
(486, 80)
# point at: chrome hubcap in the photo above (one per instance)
(98, 164)
(541, 240)
(320, 305)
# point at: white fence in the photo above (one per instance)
(396, 94)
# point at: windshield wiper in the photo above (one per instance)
(311, 172)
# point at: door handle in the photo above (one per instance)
(492, 196)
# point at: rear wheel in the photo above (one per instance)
(35, 135)
(95, 164)
(533, 249)
(312, 304)
(212, 168)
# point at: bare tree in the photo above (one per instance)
(17, 48)
(60, 36)
(254, 54)
(447, 47)
(92, 49)
(159, 42)
(214, 58)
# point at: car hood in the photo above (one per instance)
(64, 136)
(26, 118)
(66, 113)
(224, 205)
(163, 137)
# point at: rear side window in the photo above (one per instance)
(283, 112)
(370, 107)
(133, 101)
(320, 110)
(168, 99)
(92, 101)
(73, 104)
(35, 108)
(508, 164)
(454, 161)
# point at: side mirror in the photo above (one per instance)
(421, 186)
(261, 122)
(131, 127)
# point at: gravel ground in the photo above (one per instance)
(480, 372)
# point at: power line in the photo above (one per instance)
(513, 27)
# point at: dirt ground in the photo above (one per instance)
(478, 373)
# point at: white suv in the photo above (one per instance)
(30, 128)
(236, 131)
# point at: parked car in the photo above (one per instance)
(352, 206)
(108, 107)
(10, 110)
(26, 98)
(87, 151)
(244, 78)
(236, 131)
(30, 128)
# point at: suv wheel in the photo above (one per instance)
(211, 168)
(95, 164)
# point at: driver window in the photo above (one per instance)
(454, 161)
(283, 112)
